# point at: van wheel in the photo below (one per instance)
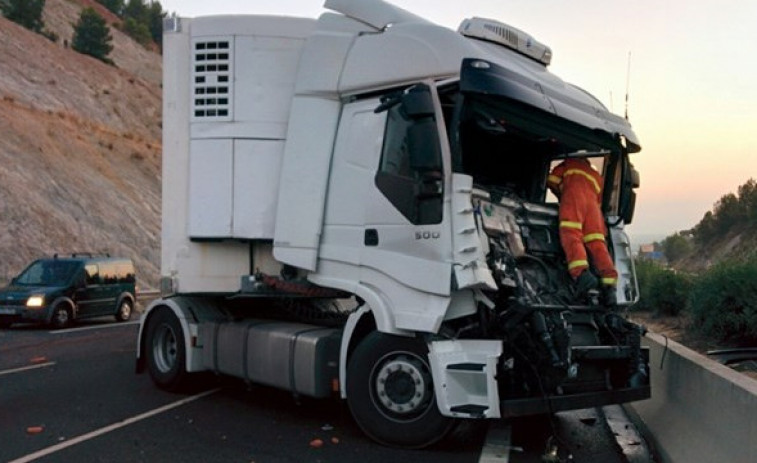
(391, 394)
(165, 351)
(124, 310)
(62, 316)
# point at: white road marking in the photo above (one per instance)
(30, 367)
(498, 444)
(93, 327)
(99, 432)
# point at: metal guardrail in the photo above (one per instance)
(143, 296)
(730, 356)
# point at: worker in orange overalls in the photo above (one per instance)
(578, 186)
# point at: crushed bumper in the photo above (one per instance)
(510, 408)
(467, 381)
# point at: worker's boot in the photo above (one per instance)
(609, 296)
(585, 282)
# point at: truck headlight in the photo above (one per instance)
(35, 301)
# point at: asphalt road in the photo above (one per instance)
(73, 395)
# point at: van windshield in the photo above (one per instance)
(48, 273)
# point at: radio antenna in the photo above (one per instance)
(628, 81)
(611, 105)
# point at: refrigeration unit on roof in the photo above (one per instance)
(515, 39)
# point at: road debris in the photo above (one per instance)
(316, 443)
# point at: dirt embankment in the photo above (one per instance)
(79, 147)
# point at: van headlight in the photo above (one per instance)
(35, 301)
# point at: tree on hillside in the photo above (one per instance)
(748, 197)
(27, 13)
(675, 247)
(155, 16)
(92, 36)
(136, 9)
(114, 6)
(731, 212)
(139, 17)
(137, 31)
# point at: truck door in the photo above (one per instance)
(386, 202)
(406, 233)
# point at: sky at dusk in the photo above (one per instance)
(692, 82)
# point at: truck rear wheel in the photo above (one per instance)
(165, 351)
(391, 394)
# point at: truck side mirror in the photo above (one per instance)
(417, 103)
(634, 176)
(629, 208)
(631, 182)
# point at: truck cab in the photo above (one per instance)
(357, 205)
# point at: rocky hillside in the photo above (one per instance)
(80, 145)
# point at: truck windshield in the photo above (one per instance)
(48, 273)
(509, 148)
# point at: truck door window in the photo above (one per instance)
(410, 172)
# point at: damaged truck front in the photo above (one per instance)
(358, 206)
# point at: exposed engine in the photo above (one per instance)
(549, 332)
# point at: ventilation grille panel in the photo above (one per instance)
(505, 33)
(212, 86)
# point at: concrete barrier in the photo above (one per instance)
(700, 410)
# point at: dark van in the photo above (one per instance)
(59, 290)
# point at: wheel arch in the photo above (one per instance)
(58, 301)
(359, 325)
(126, 295)
(188, 328)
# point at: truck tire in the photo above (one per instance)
(165, 351)
(391, 394)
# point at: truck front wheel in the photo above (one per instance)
(391, 394)
(165, 351)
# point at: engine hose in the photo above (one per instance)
(539, 325)
(544, 267)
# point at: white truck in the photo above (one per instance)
(355, 206)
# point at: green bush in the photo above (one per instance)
(27, 13)
(115, 6)
(92, 36)
(137, 31)
(723, 303)
(662, 291)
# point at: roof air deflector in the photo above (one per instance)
(375, 13)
